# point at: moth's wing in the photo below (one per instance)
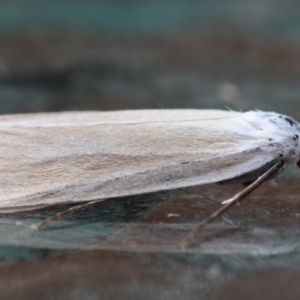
(44, 164)
(88, 118)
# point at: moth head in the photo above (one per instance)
(290, 131)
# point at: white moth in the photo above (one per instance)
(53, 158)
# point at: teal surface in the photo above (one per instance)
(80, 230)
(135, 16)
(279, 18)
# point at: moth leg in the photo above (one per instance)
(189, 240)
(66, 212)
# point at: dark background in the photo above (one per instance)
(85, 55)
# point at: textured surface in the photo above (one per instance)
(136, 250)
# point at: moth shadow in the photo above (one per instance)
(120, 210)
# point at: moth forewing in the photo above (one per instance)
(56, 158)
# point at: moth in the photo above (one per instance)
(72, 157)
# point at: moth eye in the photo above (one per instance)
(298, 163)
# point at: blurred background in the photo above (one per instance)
(129, 54)
(103, 55)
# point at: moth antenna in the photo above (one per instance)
(189, 240)
(66, 212)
